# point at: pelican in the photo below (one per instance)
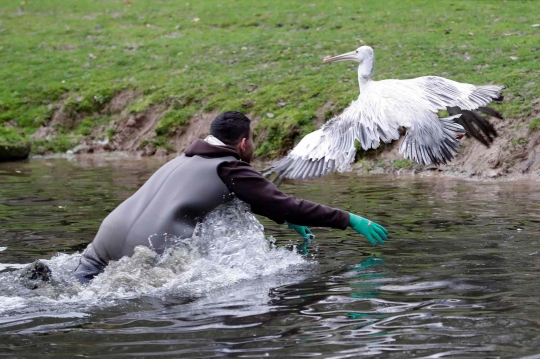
(381, 110)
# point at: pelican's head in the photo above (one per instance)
(359, 55)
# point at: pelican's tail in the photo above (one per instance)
(476, 125)
(433, 144)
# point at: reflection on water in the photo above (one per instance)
(458, 278)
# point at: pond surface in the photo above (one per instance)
(460, 276)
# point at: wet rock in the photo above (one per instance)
(36, 274)
(14, 152)
(148, 150)
(493, 173)
(377, 171)
(82, 148)
(161, 152)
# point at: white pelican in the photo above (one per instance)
(381, 109)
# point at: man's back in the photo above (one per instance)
(166, 207)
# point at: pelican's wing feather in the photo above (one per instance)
(431, 144)
(442, 93)
(332, 147)
(319, 153)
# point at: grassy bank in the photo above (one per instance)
(257, 57)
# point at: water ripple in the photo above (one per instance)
(457, 278)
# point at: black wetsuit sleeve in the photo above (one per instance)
(267, 200)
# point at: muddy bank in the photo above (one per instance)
(512, 153)
(126, 129)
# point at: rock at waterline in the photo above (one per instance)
(36, 274)
(14, 152)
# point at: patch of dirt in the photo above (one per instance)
(60, 118)
(132, 132)
(327, 111)
(68, 120)
(45, 132)
(121, 101)
(513, 152)
(133, 129)
(198, 127)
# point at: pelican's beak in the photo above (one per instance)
(349, 56)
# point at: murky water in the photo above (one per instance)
(459, 277)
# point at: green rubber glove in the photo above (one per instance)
(374, 232)
(303, 231)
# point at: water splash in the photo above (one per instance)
(227, 248)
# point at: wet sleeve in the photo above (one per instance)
(267, 200)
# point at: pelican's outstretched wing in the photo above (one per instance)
(461, 99)
(428, 144)
(319, 153)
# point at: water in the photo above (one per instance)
(458, 278)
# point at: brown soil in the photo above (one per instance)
(132, 132)
(324, 113)
(132, 129)
(59, 117)
(197, 128)
(121, 101)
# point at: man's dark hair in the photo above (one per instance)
(230, 127)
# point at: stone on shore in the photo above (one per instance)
(14, 151)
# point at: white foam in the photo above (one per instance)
(229, 247)
(10, 303)
(4, 266)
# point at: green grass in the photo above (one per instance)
(520, 141)
(174, 119)
(402, 164)
(251, 56)
(534, 124)
(60, 143)
(13, 145)
(10, 136)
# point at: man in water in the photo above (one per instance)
(210, 172)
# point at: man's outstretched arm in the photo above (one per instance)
(267, 200)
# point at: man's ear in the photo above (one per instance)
(242, 144)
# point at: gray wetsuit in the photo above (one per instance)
(167, 206)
